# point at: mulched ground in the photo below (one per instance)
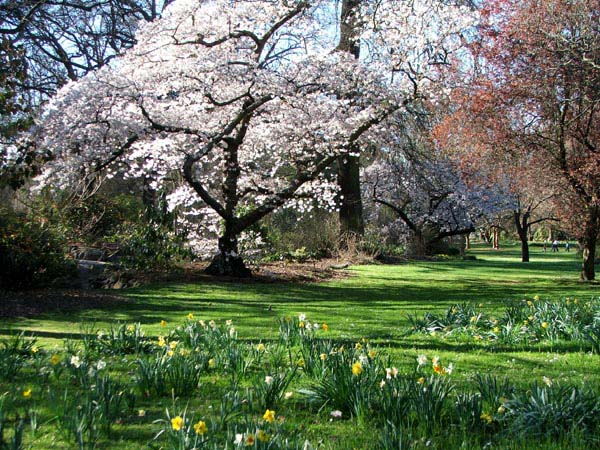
(34, 302)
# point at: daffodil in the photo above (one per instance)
(262, 436)
(421, 380)
(55, 359)
(544, 325)
(486, 417)
(211, 363)
(75, 361)
(27, 393)
(372, 354)
(357, 368)
(325, 327)
(249, 440)
(269, 416)
(35, 349)
(190, 316)
(261, 347)
(323, 356)
(163, 323)
(177, 423)
(200, 427)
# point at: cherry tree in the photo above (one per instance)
(242, 105)
(427, 191)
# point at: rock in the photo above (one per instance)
(88, 253)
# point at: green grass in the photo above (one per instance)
(373, 303)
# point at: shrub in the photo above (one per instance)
(31, 254)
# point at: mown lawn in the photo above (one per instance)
(378, 303)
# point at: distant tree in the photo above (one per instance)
(427, 191)
(62, 40)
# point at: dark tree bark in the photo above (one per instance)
(228, 262)
(351, 209)
(590, 238)
(522, 224)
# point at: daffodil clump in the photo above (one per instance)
(529, 320)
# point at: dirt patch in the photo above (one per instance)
(275, 272)
(31, 303)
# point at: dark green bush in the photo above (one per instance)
(31, 254)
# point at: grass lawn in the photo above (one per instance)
(373, 302)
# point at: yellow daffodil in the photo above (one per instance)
(130, 328)
(34, 349)
(357, 368)
(323, 356)
(200, 427)
(55, 359)
(190, 316)
(372, 353)
(27, 393)
(177, 423)
(249, 440)
(161, 341)
(486, 417)
(544, 325)
(269, 416)
(261, 347)
(212, 363)
(421, 380)
(325, 327)
(262, 436)
(163, 323)
(536, 297)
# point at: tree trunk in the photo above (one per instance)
(416, 247)
(522, 225)
(351, 210)
(590, 238)
(228, 262)
(496, 238)
(467, 242)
